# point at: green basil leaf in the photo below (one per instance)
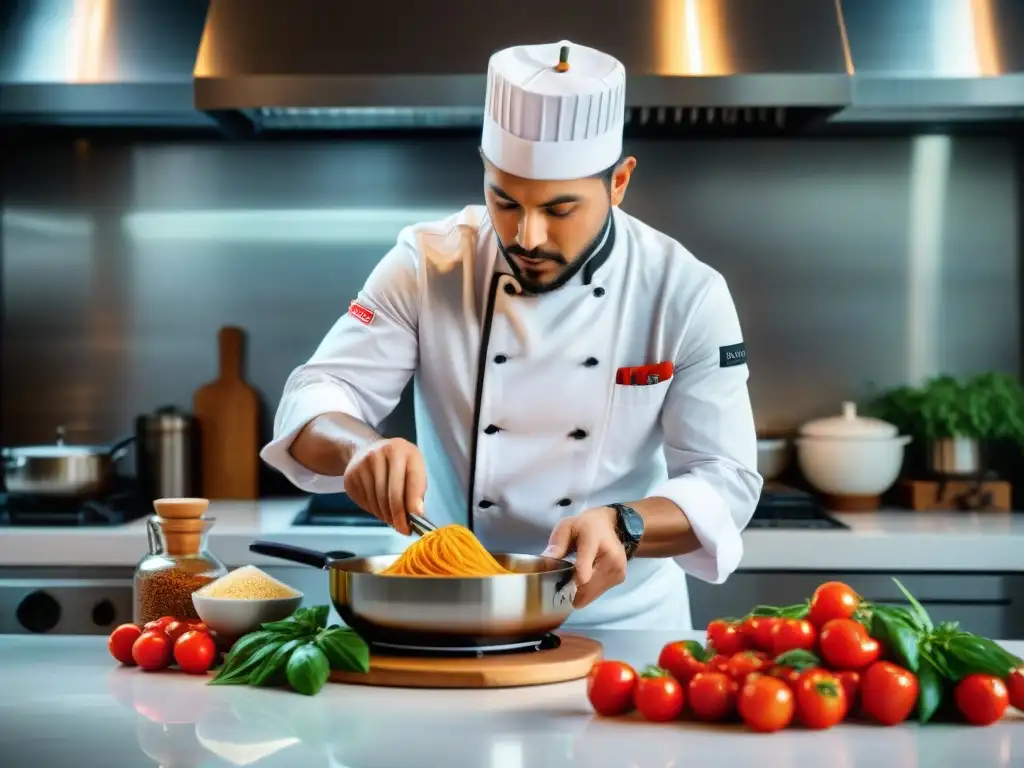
(239, 675)
(318, 615)
(764, 610)
(797, 659)
(897, 635)
(245, 647)
(698, 651)
(269, 670)
(931, 689)
(798, 611)
(289, 627)
(979, 654)
(923, 618)
(307, 669)
(345, 650)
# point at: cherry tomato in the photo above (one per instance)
(719, 663)
(712, 695)
(121, 641)
(160, 623)
(820, 699)
(888, 692)
(682, 659)
(981, 699)
(176, 629)
(845, 644)
(758, 631)
(791, 635)
(658, 695)
(851, 686)
(746, 663)
(610, 687)
(766, 704)
(788, 675)
(832, 600)
(199, 626)
(152, 650)
(195, 651)
(1015, 687)
(726, 637)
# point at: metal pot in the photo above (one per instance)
(60, 470)
(434, 613)
(955, 457)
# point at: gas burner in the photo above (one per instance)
(121, 506)
(549, 642)
(784, 507)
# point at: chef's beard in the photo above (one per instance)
(530, 283)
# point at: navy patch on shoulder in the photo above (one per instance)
(734, 354)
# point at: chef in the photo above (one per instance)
(580, 378)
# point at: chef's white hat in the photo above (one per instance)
(554, 111)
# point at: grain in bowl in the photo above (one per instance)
(248, 583)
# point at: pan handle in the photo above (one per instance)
(118, 450)
(290, 552)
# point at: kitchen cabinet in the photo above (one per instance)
(987, 604)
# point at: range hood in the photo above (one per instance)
(694, 67)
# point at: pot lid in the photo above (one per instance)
(849, 425)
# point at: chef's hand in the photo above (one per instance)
(388, 479)
(600, 556)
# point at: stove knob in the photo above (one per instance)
(103, 613)
(39, 612)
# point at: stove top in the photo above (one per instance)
(784, 507)
(549, 642)
(335, 509)
(121, 506)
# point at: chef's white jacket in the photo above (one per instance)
(518, 414)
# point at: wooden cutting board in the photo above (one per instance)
(569, 661)
(227, 411)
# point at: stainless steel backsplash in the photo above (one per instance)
(852, 262)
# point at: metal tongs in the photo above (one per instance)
(420, 525)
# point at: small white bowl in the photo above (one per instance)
(231, 617)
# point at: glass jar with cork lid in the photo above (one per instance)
(178, 562)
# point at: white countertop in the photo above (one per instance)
(66, 702)
(887, 540)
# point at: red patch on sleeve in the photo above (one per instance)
(360, 313)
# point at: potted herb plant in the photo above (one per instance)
(957, 418)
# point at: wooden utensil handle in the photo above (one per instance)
(231, 340)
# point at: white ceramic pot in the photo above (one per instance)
(773, 457)
(850, 455)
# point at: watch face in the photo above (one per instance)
(633, 523)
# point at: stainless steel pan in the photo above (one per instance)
(439, 613)
(62, 471)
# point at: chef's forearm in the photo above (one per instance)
(667, 531)
(327, 444)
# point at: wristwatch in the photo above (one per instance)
(629, 526)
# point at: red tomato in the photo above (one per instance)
(746, 663)
(712, 695)
(845, 644)
(121, 641)
(792, 634)
(981, 699)
(851, 686)
(160, 623)
(758, 631)
(195, 651)
(888, 692)
(681, 659)
(610, 686)
(152, 650)
(176, 629)
(658, 695)
(1015, 687)
(766, 704)
(788, 675)
(719, 663)
(199, 626)
(726, 637)
(820, 699)
(832, 600)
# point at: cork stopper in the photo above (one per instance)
(183, 524)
